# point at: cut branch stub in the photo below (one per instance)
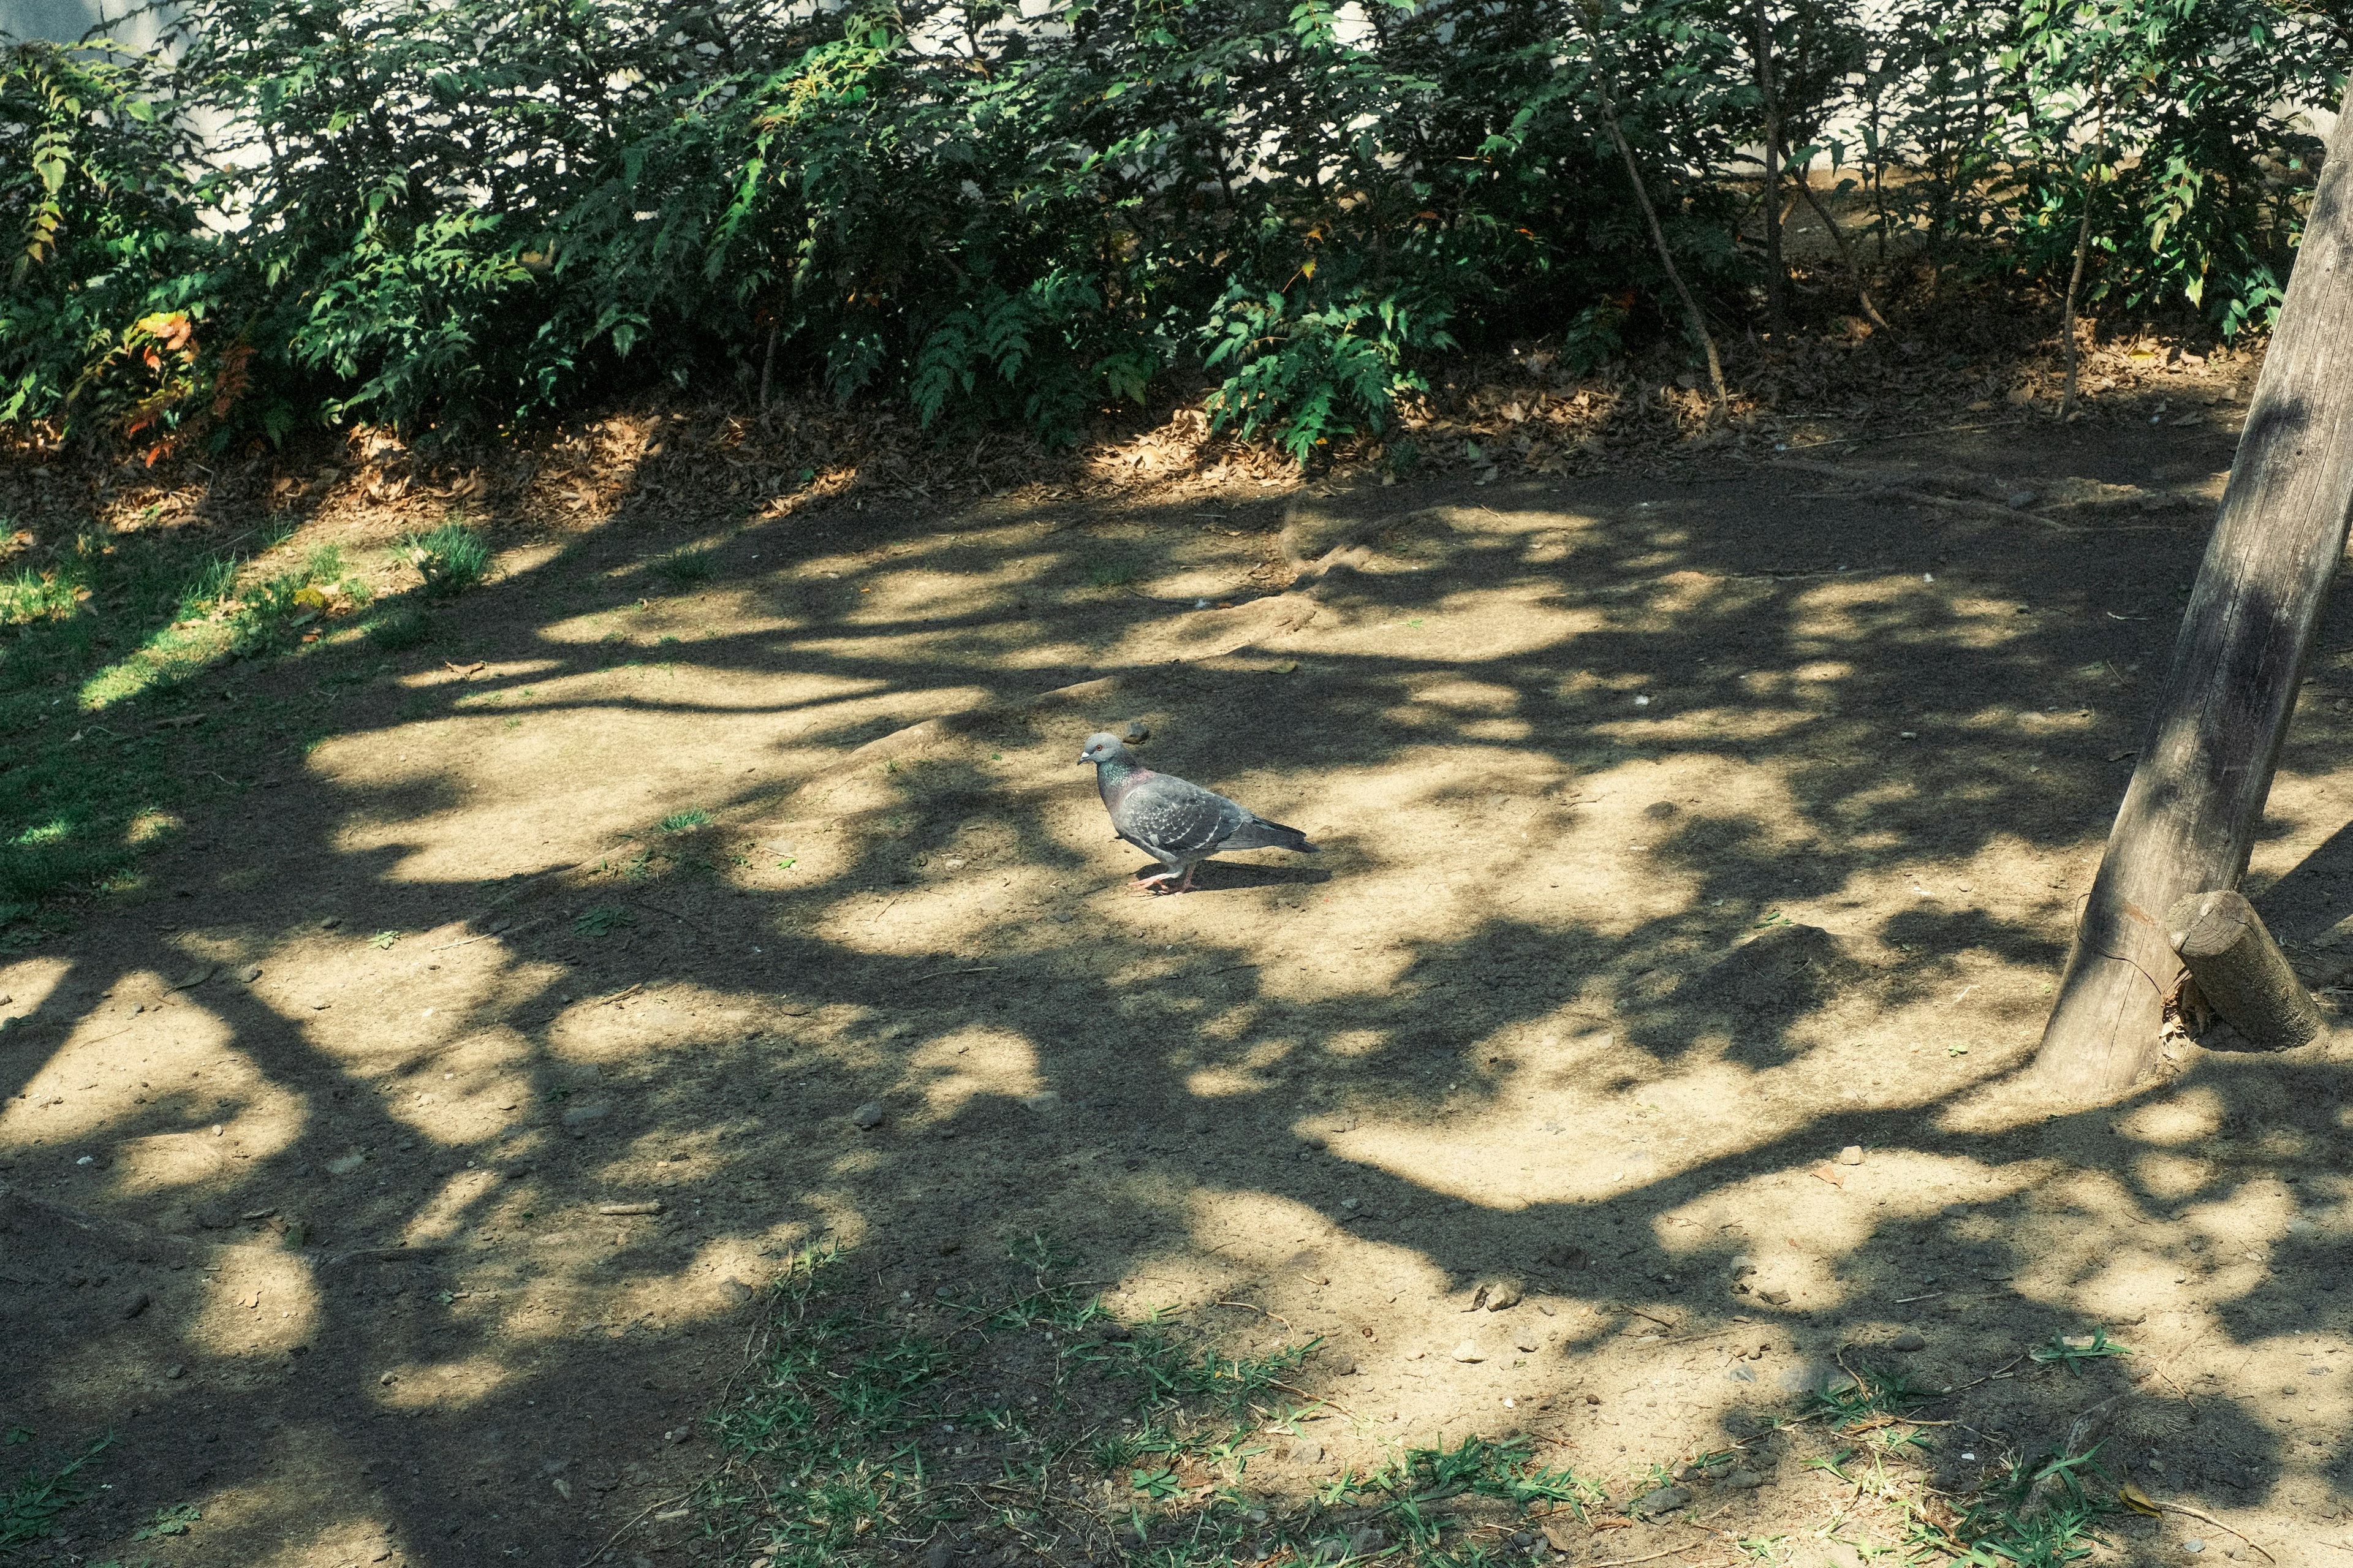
(2241, 971)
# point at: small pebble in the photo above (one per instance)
(1742, 1480)
(2193, 1545)
(1502, 1295)
(1468, 1351)
(249, 974)
(580, 1118)
(331, 922)
(1851, 1156)
(176, 1371)
(1045, 1102)
(1909, 1340)
(867, 1117)
(1137, 730)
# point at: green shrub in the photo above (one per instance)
(395, 226)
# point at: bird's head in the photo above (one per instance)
(1105, 747)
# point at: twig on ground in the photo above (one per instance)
(1901, 435)
(2209, 1518)
(1316, 1398)
(510, 931)
(1262, 1311)
(617, 1535)
(684, 921)
(1654, 1557)
(942, 973)
(617, 996)
(1986, 1378)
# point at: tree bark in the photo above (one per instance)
(2241, 972)
(2189, 817)
(1775, 275)
(2075, 291)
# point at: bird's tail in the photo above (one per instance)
(1257, 833)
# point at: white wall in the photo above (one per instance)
(64, 21)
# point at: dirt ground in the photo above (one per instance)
(397, 1172)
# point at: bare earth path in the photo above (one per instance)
(1681, 834)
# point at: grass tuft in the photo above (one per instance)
(451, 558)
(2072, 1352)
(603, 920)
(30, 1504)
(401, 630)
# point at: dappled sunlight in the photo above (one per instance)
(254, 1300)
(641, 976)
(957, 1067)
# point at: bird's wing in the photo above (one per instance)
(1166, 816)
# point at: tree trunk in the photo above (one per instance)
(2190, 814)
(1692, 312)
(2241, 972)
(1853, 263)
(1775, 275)
(2075, 291)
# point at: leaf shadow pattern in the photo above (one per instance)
(1524, 1014)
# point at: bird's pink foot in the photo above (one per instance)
(1150, 887)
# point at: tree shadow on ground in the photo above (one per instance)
(1658, 874)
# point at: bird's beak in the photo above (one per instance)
(1082, 758)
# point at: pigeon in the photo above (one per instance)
(1180, 825)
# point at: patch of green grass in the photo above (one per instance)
(1110, 575)
(2042, 1516)
(31, 1502)
(995, 1418)
(450, 559)
(400, 630)
(603, 920)
(1868, 1395)
(51, 594)
(2072, 1352)
(682, 821)
(176, 1520)
(685, 567)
